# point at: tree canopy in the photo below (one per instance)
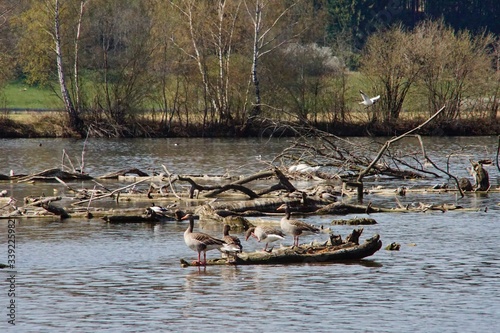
(228, 62)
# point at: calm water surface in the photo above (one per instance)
(88, 276)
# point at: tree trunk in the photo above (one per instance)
(77, 40)
(255, 80)
(75, 121)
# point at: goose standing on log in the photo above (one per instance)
(295, 228)
(265, 234)
(232, 243)
(199, 241)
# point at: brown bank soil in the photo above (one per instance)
(53, 124)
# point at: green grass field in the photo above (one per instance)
(17, 95)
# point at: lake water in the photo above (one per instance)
(89, 276)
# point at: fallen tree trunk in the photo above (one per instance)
(50, 175)
(339, 208)
(304, 254)
(55, 210)
(123, 172)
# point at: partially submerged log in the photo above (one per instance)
(355, 221)
(40, 201)
(304, 254)
(115, 219)
(343, 208)
(51, 175)
(55, 210)
(393, 247)
(123, 172)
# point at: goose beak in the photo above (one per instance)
(282, 207)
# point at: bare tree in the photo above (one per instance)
(76, 55)
(119, 50)
(75, 121)
(307, 81)
(454, 66)
(6, 57)
(210, 30)
(391, 63)
(265, 40)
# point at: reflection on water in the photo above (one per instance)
(81, 276)
(76, 276)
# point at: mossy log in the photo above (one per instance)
(355, 221)
(393, 247)
(304, 254)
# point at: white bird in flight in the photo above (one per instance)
(367, 100)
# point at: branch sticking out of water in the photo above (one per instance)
(385, 147)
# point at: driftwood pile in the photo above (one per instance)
(165, 196)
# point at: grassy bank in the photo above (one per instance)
(18, 95)
(25, 115)
(35, 124)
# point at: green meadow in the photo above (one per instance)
(18, 95)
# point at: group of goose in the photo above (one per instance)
(202, 242)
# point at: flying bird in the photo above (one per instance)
(367, 100)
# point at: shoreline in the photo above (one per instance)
(54, 125)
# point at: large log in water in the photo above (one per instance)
(303, 254)
(51, 175)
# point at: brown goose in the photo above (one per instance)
(199, 241)
(265, 234)
(232, 244)
(295, 228)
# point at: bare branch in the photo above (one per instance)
(389, 142)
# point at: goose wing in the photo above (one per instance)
(206, 239)
(304, 227)
(233, 240)
(272, 231)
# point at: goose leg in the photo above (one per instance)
(204, 258)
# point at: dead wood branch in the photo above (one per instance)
(235, 187)
(52, 174)
(386, 146)
(438, 168)
(117, 191)
(239, 183)
(67, 186)
(123, 172)
(39, 201)
(171, 180)
(339, 208)
(55, 210)
(195, 187)
(214, 190)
